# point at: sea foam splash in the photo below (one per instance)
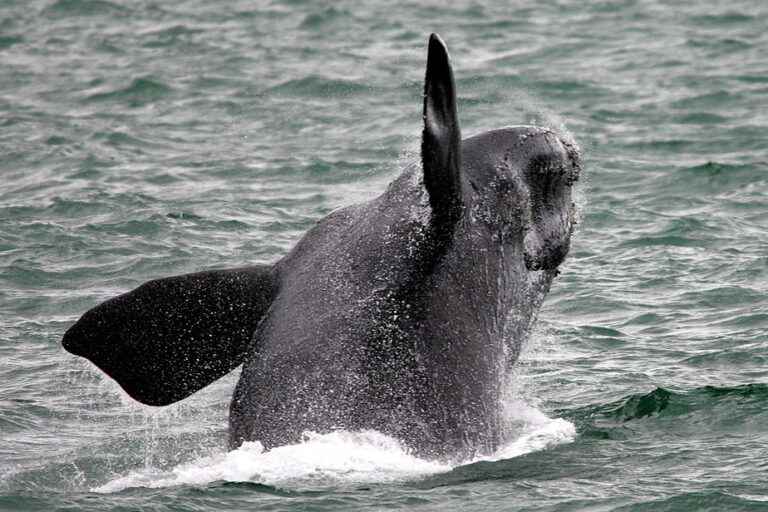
(534, 431)
(339, 457)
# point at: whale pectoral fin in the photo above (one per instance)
(171, 337)
(441, 138)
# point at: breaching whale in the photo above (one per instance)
(401, 314)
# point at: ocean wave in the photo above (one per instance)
(139, 92)
(662, 402)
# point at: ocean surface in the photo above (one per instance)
(141, 139)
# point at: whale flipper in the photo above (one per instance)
(441, 138)
(171, 337)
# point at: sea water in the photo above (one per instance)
(141, 139)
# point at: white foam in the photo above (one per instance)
(532, 431)
(341, 457)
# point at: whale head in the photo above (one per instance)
(515, 183)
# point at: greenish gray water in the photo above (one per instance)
(139, 139)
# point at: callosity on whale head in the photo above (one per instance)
(524, 175)
(401, 314)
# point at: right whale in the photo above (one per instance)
(402, 314)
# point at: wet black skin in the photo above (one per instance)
(401, 314)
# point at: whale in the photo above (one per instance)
(403, 314)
